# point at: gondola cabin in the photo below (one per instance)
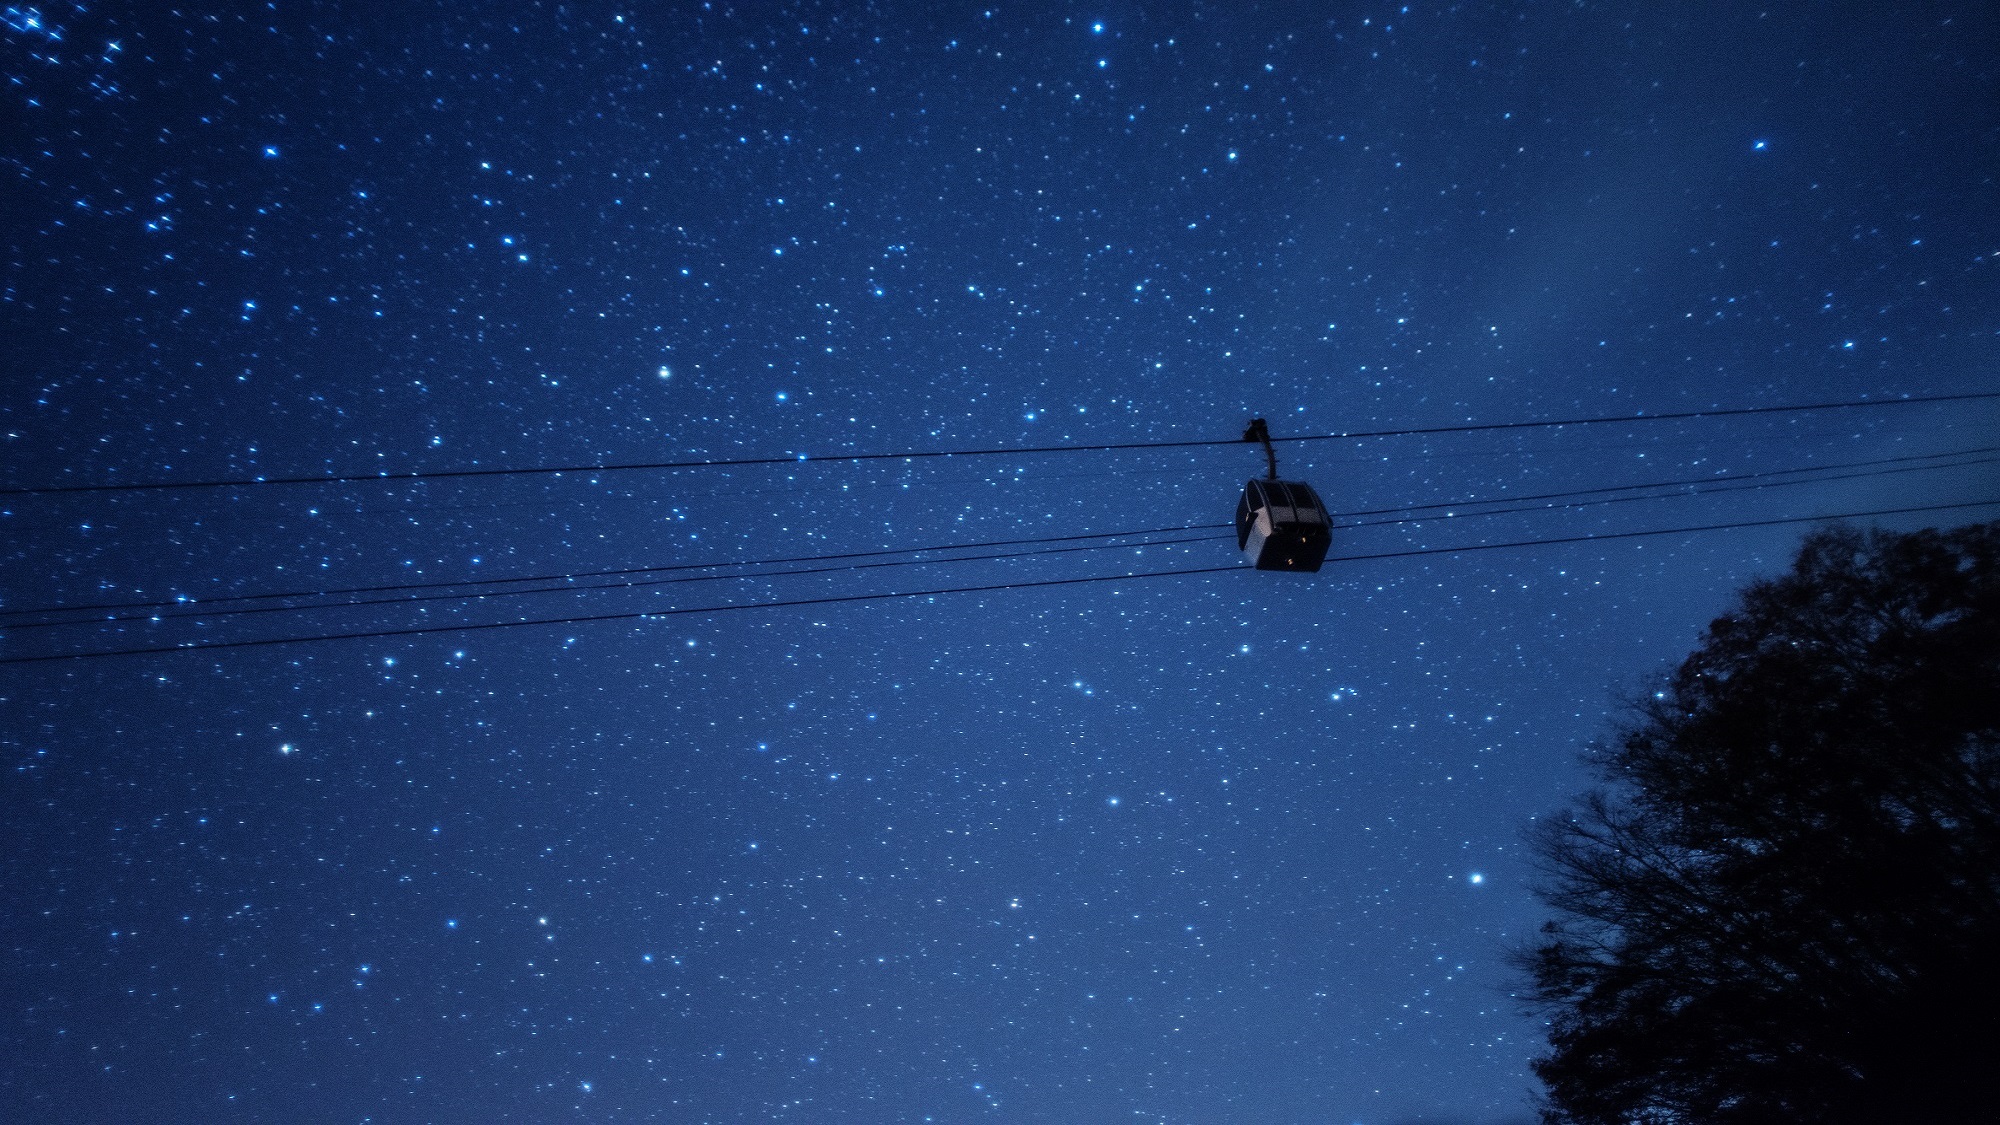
(1281, 525)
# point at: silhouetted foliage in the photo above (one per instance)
(1786, 907)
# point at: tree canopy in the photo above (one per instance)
(1784, 905)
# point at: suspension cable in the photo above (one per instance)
(379, 634)
(187, 607)
(1347, 435)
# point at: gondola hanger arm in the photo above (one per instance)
(1260, 431)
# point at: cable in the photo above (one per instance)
(790, 485)
(1463, 503)
(798, 602)
(460, 474)
(180, 602)
(1694, 482)
(567, 589)
(1695, 491)
(595, 618)
(569, 584)
(1698, 480)
(762, 574)
(1662, 531)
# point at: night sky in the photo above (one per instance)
(1228, 847)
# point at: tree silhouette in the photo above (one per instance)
(1786, 905)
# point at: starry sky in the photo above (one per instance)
(1225, 847)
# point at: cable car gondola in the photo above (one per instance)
(1280, 524)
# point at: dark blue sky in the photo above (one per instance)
(1220, 848)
